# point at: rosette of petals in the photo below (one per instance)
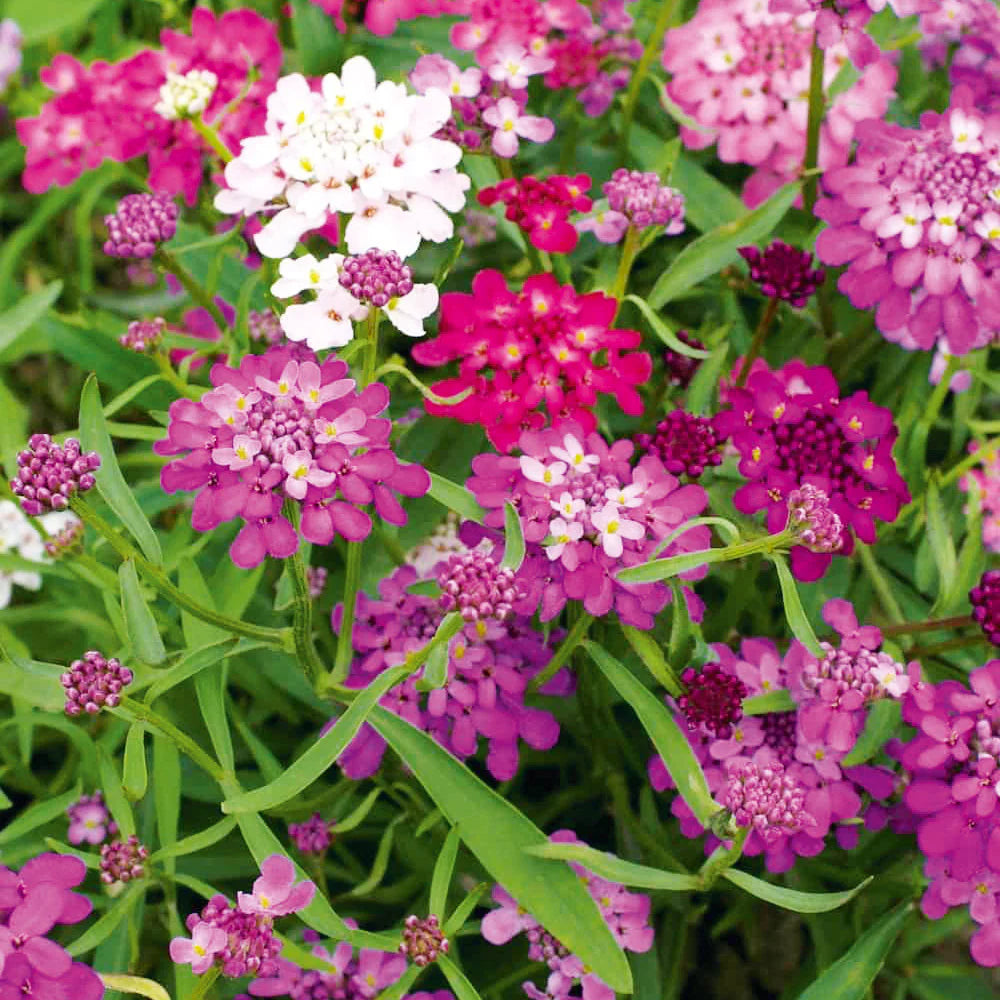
(139, 224)
(637, 200)
(49, 474)
(567, 476)
(283, 427)
(546, 344)
(686, 444)
(915, 220)
(107, 111)
(423, 940)
(743, 75)
(89, 820)
(791, 428)
(783, 272)
(985, 598)
(360, 147)
(490, 664)
(541, 208)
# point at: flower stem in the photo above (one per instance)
(352, 584)
(935, 625)
(723, 858)
(757, 344)
(171, 377)
(981, 454)
(169, 262)
(880, 584)
(205, 982)
(629, 253)
(817, 110)
(305, 648)
(574, 637)
(921, 652)
(159, 579)
(371, 358)
(212, 137)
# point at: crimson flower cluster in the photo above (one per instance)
(686, 444)
(517, 350)
(792, 428)
(681, 368)
(542, 207)
(283, 427)
(985, 598)
(489, 666)
(783, 272)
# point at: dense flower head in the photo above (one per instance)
(93, 683)
(89, 820)
(139, 224)
(517, 350)
(10, 51)
(358, 146)
(123, 860)
(812, 520)
(312, 836)
(636, 199)
(376, 276)
(264, 326)
(983, 484)
(682, 367)
(541, 207)
(765, 798)
(587, 512)
(279, 427)
(916, 219)
(49, 474)
(107, 111)
(626, 914)
(18, 537)
(478, 228)
(792, 428)
(186, 95)
(686, 444)
(713, 699)
(477, 588)
(423, 940)
(985, 598)
(743, 75)
(65, 539)
(783, 272)
(144, 335)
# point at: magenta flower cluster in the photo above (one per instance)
(813, 521)
(123, 860)
(791, 428)
(32, 902)
(94, 682)
(283, 427)
(489, 666)
(541, 207)
(476, 587)
(626, 914)
(376, 276)
(140, 223)
(48, 474)
(783, 272)
(963, 34)
(686, 444)
(66, 542)
(985, 599)
(144, 335)
(312, 836)
(712, 699)
(681, 368)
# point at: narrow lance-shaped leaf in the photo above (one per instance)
(20, 318)
(774, 701)
(615, 869)
(513, 538)
(435, 673)
(456, 498)
(197, 841)
(460, 985)
(381, 863)
(111, 785)
(443, 869)
(134, 762)
(794, 612)
(39, 814)
(357, 816)
(883, 720)
(142, 628)
(792, 899)
(664, 332)
(134, 984)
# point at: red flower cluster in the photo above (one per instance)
(542, 207)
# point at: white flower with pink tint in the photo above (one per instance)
(341, 428)
(240, 456)
(298, 274)
(567, 505)
(512, 65)
(505, 116)
(944, 228)
(302, 472)
(537, 472)
(574, 455)
(276, 893)
(613, 528)
(908, 222)
(563, 533)
(965, 132)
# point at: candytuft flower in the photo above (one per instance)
(89, 820)
(48, 474)
(766, 799)
(985, 598)
(143, 335)
(474, 585)
(123, 860)
(93, 683)
(686, 444)
(813, 521)
(783, 272)
(638, 200)
(311, 836)
(186, 95)
(713, 699)
(140, 224)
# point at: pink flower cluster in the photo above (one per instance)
(517, 350)
(954, 790)
(638, 200)
(587, 513)
(89, 820)
(32, 902)
(123, 860)
(312, 836)
(742, 73)
(833, 696)
(381, 17)
(106, 111)
(626, 914)
(489, 666)
(240, 939)
(283, 427)
(917, 220)
(765, 799)
(975, 26)
(541, 208)
(986, 481)
(791, 428)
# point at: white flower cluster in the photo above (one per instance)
(360, 147)
(186, 95)
(19, 538)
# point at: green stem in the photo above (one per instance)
(169, 262)
(106, 577)
(208, 133)
(668, 8)
(959, 621)
(371, 358)
(159, 579)
(171, 377)
(352, 584)
(629, 253)
(574, 637)
(817, 110)
(981, 454)
(205, 982)
(723, 858)
(305, 648)
(757, 344)
(880, 584)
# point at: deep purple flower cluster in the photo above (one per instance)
(784, 272)
(279, 427)
(489, 666)
(140, 222)
(475, 586)
(32, 902)
(813, 521)
(686, 444)
(423, 940)
(791, 428)
(48, 474)
(312, 836)
(93, 683)
(376, 276)
(985, 600)
(123, 860)
(765, 798)
(143, 335)
(713, 699)
(681, 367)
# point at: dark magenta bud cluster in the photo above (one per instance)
(94, 683)
(680, 367)
(765, 799)
(543, 947)
(48, 474)
(376, 276)
(316, 578)
(143, 335)
(67, 542)
(264, 326)
(814, 522)
(784, 272)
(986, 605)
(714, 699)
(686, 444)
(644, 200)
(477, 587)
(311, 836)
(423, 940)
(140, 222)
(123, 860)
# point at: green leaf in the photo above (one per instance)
(210, 690)
(792, 899)
(134, 984)
(650, 653)
(317, 41)
(196, 631)
(705, 383)
(134, 763)
(435, 673)
(381, 863)
(456, 498)
(942, 544)
(460, 986)
(710, 253)
(39, 21)
(853, 973)
(664, 569)
(461, 913)
(195, 661)
(443, 869)
(671, 744)
(111, 785)
(794, 612)
(111, 483)
(513, 538)
(106, 926)
(774, 701)
(357, 816)
(498, 835)
(19, 319)
(320, 757)
(35, 682)
(197, 841)
(664, 332)
(39, 814)
(143, 632)
(166, 790)
(708, 203)
(615, 869)
(883, 720)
